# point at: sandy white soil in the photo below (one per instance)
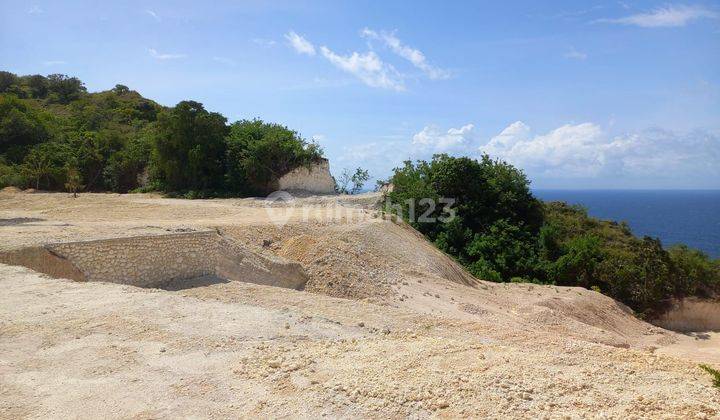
(387, 327)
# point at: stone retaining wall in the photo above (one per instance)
(143, 261)
(152, 261)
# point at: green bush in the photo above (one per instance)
(502, 233)
(715, 374)
(258, 153)
(116, 138)
(189, 148)
(497, 218)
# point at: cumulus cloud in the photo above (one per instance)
(155, 54)
(572, 155)
(585, 150)
(454, 140)
(368, 67)
(300, 44)
(414, 56)
(666, 16)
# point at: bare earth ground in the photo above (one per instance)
(386, 327)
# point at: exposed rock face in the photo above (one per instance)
(316, 179)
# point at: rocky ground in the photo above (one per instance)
(387, 326)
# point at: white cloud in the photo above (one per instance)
(152, 14)
(575, 54)
(224, 60)
(666, 16)
(586, 151)
(367, 67)
(300, 44)
(264, 42)
(36, 10)
(572, 155)
(416, 57)
(53, 63)
(153, 52)
(432, 139)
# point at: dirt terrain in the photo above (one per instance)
(386, 326)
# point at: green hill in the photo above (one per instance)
(117, 140)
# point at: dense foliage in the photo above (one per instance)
(258, 153)
(54, 135)
(500, 232)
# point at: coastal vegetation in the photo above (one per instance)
(55, 135)
(502, 233)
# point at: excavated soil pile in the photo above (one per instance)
(385, 326)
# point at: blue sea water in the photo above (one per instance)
(691, 217)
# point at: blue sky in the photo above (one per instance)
(577, 94)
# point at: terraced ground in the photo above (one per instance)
(384, 326)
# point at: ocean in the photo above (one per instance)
(691, 217)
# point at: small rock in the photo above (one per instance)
(361, 324)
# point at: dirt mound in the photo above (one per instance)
(692, 315)
(10, 190)
(391, 264)
(360, 260)
(392, 327)
(232, 349)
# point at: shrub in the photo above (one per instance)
(258, 153)
(715, 374)
(502, 233)
(497, 218)
(189, 148)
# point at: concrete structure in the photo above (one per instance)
(153, 261)
(315, 179)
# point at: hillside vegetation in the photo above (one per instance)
(53, 131)
(54, 135)
(502, 233)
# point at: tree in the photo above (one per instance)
(190, 148)
(497, 219)
(37, 165)
(120, 89)
(359, 179)
(259, 153)
(74, 181)
(38, 86)
(351, 182)
(7, 79)
(21, 127)
(64, 89)
(576, 267)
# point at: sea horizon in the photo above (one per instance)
(675, 216)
